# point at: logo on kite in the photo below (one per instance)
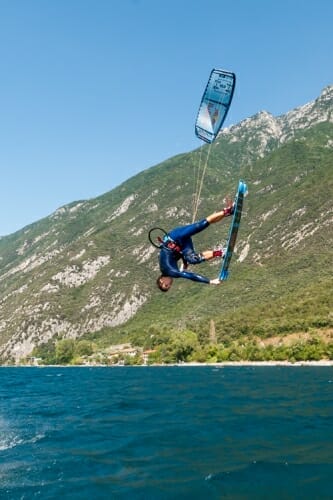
(215, 104)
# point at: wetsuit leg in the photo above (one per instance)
(183, 232)
(183, 236)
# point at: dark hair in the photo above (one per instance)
(158, 283)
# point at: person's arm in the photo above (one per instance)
(194, 277)
(189, 276)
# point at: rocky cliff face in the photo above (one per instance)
(263, 132)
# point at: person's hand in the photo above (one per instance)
(215, 282)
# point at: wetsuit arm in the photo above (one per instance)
(169, 267)
(189, 276)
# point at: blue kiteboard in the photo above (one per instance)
(234, 226)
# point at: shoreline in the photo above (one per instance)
(322, 363)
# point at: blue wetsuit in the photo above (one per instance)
(168, 259)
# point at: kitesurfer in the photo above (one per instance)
(178, 245)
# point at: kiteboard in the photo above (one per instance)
(234, 226)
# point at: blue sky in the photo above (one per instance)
(95, 91)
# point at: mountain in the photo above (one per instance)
(88, 269)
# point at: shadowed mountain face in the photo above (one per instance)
(89, 266)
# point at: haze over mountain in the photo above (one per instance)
(89, 266)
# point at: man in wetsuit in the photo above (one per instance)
(177, 244)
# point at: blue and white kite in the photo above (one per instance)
(215, 104)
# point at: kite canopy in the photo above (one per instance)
(215, 104)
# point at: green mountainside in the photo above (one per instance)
(89, 271)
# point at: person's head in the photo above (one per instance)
(164, 283)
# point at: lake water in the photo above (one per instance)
(166, 433)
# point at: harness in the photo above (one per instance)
(170, 244)
(163, 240)
(174, 247)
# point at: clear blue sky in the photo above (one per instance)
(94, 91)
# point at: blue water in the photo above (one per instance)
(166, 433)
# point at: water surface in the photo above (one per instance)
(166, 432)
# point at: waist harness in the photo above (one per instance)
(170, 244)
